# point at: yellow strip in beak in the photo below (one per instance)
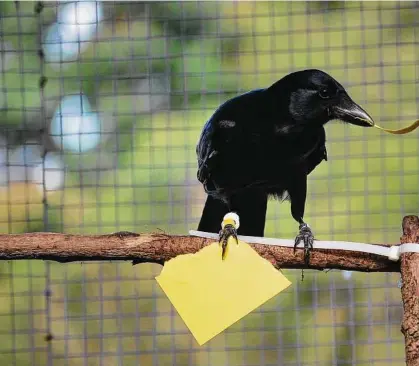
(402, 131)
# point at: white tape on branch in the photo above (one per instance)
(392, 253)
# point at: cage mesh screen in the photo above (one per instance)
(101, 106)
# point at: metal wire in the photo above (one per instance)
(101, 105)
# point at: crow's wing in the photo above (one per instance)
(225, 138)
(206, 154)
(219, 140)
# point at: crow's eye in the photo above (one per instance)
(324, 93)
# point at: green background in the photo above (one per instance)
(109, 313)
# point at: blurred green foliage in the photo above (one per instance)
(208, 52)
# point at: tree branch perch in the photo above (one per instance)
(159, 248)
(410, 291)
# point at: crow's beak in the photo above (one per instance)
(348, 111)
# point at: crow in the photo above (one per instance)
(264, 144)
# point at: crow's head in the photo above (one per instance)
(314, 97)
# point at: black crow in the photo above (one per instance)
(265, 143)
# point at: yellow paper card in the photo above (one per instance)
(211, 294)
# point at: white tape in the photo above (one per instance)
(393, 252)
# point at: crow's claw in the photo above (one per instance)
(307, 237)
(225, 234)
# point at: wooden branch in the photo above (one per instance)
(410, 291)
(158, 248)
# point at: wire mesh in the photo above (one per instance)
(101, 106)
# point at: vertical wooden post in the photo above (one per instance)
(410, 291)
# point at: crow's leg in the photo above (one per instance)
(250, 206)
(229, 226)
(212, 215)
(298, 193)
(306, 236)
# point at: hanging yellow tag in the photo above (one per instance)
(401, 131)
(211, 294)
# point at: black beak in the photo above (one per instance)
(348, 111)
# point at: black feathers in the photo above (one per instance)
(265, 143)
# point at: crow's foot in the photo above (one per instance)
(306, 236)
(225, 233)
